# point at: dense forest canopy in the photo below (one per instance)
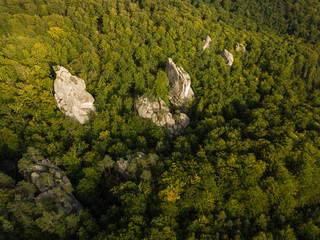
(248, 165)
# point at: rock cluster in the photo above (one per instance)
(71, 96)
(52, 184)
(159, 113)
(240, 47)
(179, 83)
(206, 42)
(227, 57)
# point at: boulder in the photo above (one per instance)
(46, 177)
(71, 97)
(179, 83)
(240, 47)
(148, 107)
(227, 57)
(206, 42)
(158, 112)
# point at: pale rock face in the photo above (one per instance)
(159, 113)
(71, 96)
(227, 57)
(206, 42)
(240, 47)
(179, 83)
(51, 183)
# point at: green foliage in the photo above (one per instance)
(248, 167)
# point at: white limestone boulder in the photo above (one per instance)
(71, 97)
(227, 57)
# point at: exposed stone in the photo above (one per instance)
(39, 168)
(158, 112)
(34, 176)
(47, 179)
(240, 47)
(57, 175)
(206, 42)
(227, 57)
(180, 91)
(121, 166)
(71, 96)
(133, 166)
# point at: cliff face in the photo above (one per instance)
(179, 84)
(71, 97)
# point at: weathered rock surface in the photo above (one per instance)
(206, 42)
(71, 96)
(227, 57)
(240, 47)
(52, 184)
(159, 113)
(179, 83)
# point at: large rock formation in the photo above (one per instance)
(227, 57)
(159, 113)
(206, 42)
(71, 97)
(240, 47)
(52, 185)
(179, 83)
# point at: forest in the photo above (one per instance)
(247, 166)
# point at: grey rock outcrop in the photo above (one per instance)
(71, 97)
(240, 47)
(227, 57)
(52, 184)
(159, 113)
(206, 42)
(180, 91)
